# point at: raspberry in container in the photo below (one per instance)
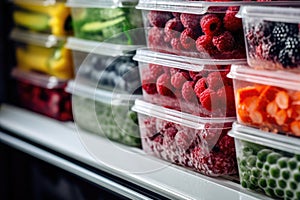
(105, 113)
(101, 20)
(44, 16)
(268, 100)
(106, 66)
(269, 164)
(197, 28)
(43, 94)
(272, 37)
(191, 85)
(200, 144)
(43, 53)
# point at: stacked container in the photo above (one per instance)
(107, 78)
(267, 100)
(43, 63)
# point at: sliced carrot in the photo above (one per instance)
(272, 108)
(281, 117)
(246, 92)
(282, 99)
(295, 127)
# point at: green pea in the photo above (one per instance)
(298, 195)
(262, 154)
(266, 167)
(275, 171)
(259, 164)
(253, 180)
(262, 183)
(282, 162)
(246, 176)
(265, 174)
(292, 164)
(285, 174)
(289, 193)
(273, 157)
(270, 192)
(255, 172)
(297, 177)
(279, 192)
(297, 156)
(251, 186)
(244, 163)
(244, 184)
(282, 183)
(247, 151)
(271, 183)
(251, 161)
(293, 185)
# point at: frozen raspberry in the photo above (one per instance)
(178, 79)
(224, 42)
(226, 144)
(190, 20)
(170, 132)
(195, 75)
(163, 85)
(173, 71)
(187, 91)
(156, 37)
(200, 86)
(158, 139)
(159, 18)
(176, 15)
(188, 38)
(232, 23)
(156, 70)
(176, 44)
(183, 140)
(226, 99)
(210, 24)
(214, 80)
(173, 28)
(208, 99)
(204, 44)
(233, 8)
(149, 83)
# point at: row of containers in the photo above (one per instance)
(210, 86)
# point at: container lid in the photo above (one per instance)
(39, 39)
(178, 117)
(201, 7)
(39, 2)
(182, 62)
(278, 78)
(272, 14)
(101, 48)
(102, 3)
(97, 94)
(38, 79)
(263, 138)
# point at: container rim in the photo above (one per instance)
(272, 14)
(192, 121)
(98, 94)
(40, 39)
(199, 7)
(38, 79)
(101, 3)
(101, 48)
(39, 2)
(182, 62)
(278, 78)
(263, 138)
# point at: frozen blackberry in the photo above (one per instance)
(283, 30)
(290, 55)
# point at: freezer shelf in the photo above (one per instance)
(128, 163)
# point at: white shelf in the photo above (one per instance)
(125, 162)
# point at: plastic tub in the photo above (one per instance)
(107, 66)
(196, 28)
(44, 16)
(101, 20)
(269, 164)
(268, 100)
(42, 94)
(196, 86)
(105, 113)
(197, 143)
(43, 53)
(272, 37)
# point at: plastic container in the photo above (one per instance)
(268, 100)
(272, 37)
(43, 53)
(107, 66)
(268, 164)
(105, 113)
(197, 28)
(101, 20)
(43, 94)
(45, 16)
(196, 86)
(197, 143)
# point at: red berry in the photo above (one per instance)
(156, 37)
(156, 70)
(224, 42)
(176, 44)
(176, 14)
(178, 79)
(210, 24)
(231, 22)
(215, 80)
(187, 91)
(163, 85)
(200, 86)
(183, 140)
(195, 75)
(170, 132)
(204, 44)
(190, 20)
(208, 99)
(173, 28)
(227, 100)
(149, 83)
(188, 38)
(159, 18)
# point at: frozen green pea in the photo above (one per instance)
(279, 192)
(251, 161)
(270, 192)
(275, 172)
(289, 193)
(253, 180)
(292, 163)
(247, 151)
(297, 156)
(259, 164)
(262, 183)
(251, 186)
(244, 162)
(297, 177)
(273, 157)
(271, 183)
(298, 195)
(285, 174)
(262, 154)
(282, 183)
(265, 174)
(246, 176)
(244, 184)
(266, 167)
(293, 185)
(255, 172)
(282, 162)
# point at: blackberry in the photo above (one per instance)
(283, 30)
(290, 55)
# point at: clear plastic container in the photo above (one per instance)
(100, 20)
(107, 66)
(200, 144)
(43, 94)
(196, 86)
(272, 37)
(268, 100)
(105, 113)
(43, 53)
(44, 16)
(197, 28)
(269, 164)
